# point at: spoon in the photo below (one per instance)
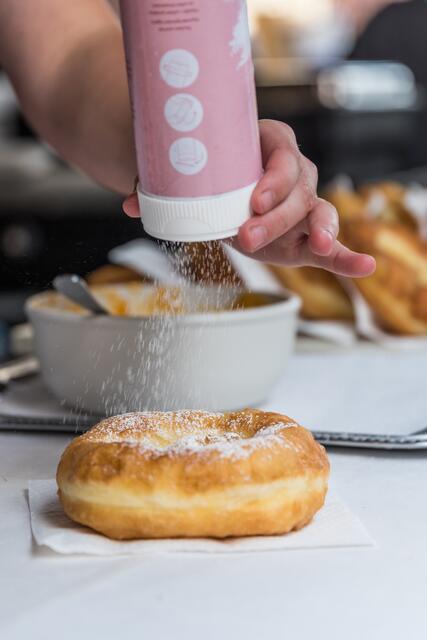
(75, 289)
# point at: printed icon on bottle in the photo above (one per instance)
(183, 112)
(179, 68)
(188, 156)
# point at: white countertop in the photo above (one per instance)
(365, 593)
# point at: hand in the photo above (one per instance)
(291, 225)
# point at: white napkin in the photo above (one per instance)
(333, 526)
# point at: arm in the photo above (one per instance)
(66, 61)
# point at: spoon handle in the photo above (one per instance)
(75, 289)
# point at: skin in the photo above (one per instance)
(66, 62)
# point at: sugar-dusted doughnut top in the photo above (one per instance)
(178, 432)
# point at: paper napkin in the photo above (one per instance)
(334, 526)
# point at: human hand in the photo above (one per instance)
(291, 225)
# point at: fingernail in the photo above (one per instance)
(267, 200)
(327, 234)
(258, 236)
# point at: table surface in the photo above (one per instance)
(361, 593)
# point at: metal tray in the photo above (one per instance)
(79, 424)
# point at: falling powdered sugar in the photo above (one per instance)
(155, 377)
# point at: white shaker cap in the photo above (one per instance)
(196, 219)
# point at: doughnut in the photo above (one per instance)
(193, 474)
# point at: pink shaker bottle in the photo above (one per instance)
(196, 129)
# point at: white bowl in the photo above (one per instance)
(212, 361)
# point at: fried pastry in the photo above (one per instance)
(113, 274)
(385, 201)
(397, 291)
(322, 295)
(193, 474)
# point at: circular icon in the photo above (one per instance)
(183, 112)
(179, 68)
(188, 156)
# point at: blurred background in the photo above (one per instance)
(348, 75)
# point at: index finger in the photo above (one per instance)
(341, 261)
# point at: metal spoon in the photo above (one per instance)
(75, 289)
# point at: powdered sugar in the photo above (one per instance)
(196, 432)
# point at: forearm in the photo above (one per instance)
(66, 62)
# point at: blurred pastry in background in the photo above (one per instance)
(322, 295)
(386, 201)
(204, 263)
(349, 204)
(397, 291)
(113, 274)
(274, 36)
(130, 299)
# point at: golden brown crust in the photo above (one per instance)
(322, 295)
(397, 291)
(193, 474)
